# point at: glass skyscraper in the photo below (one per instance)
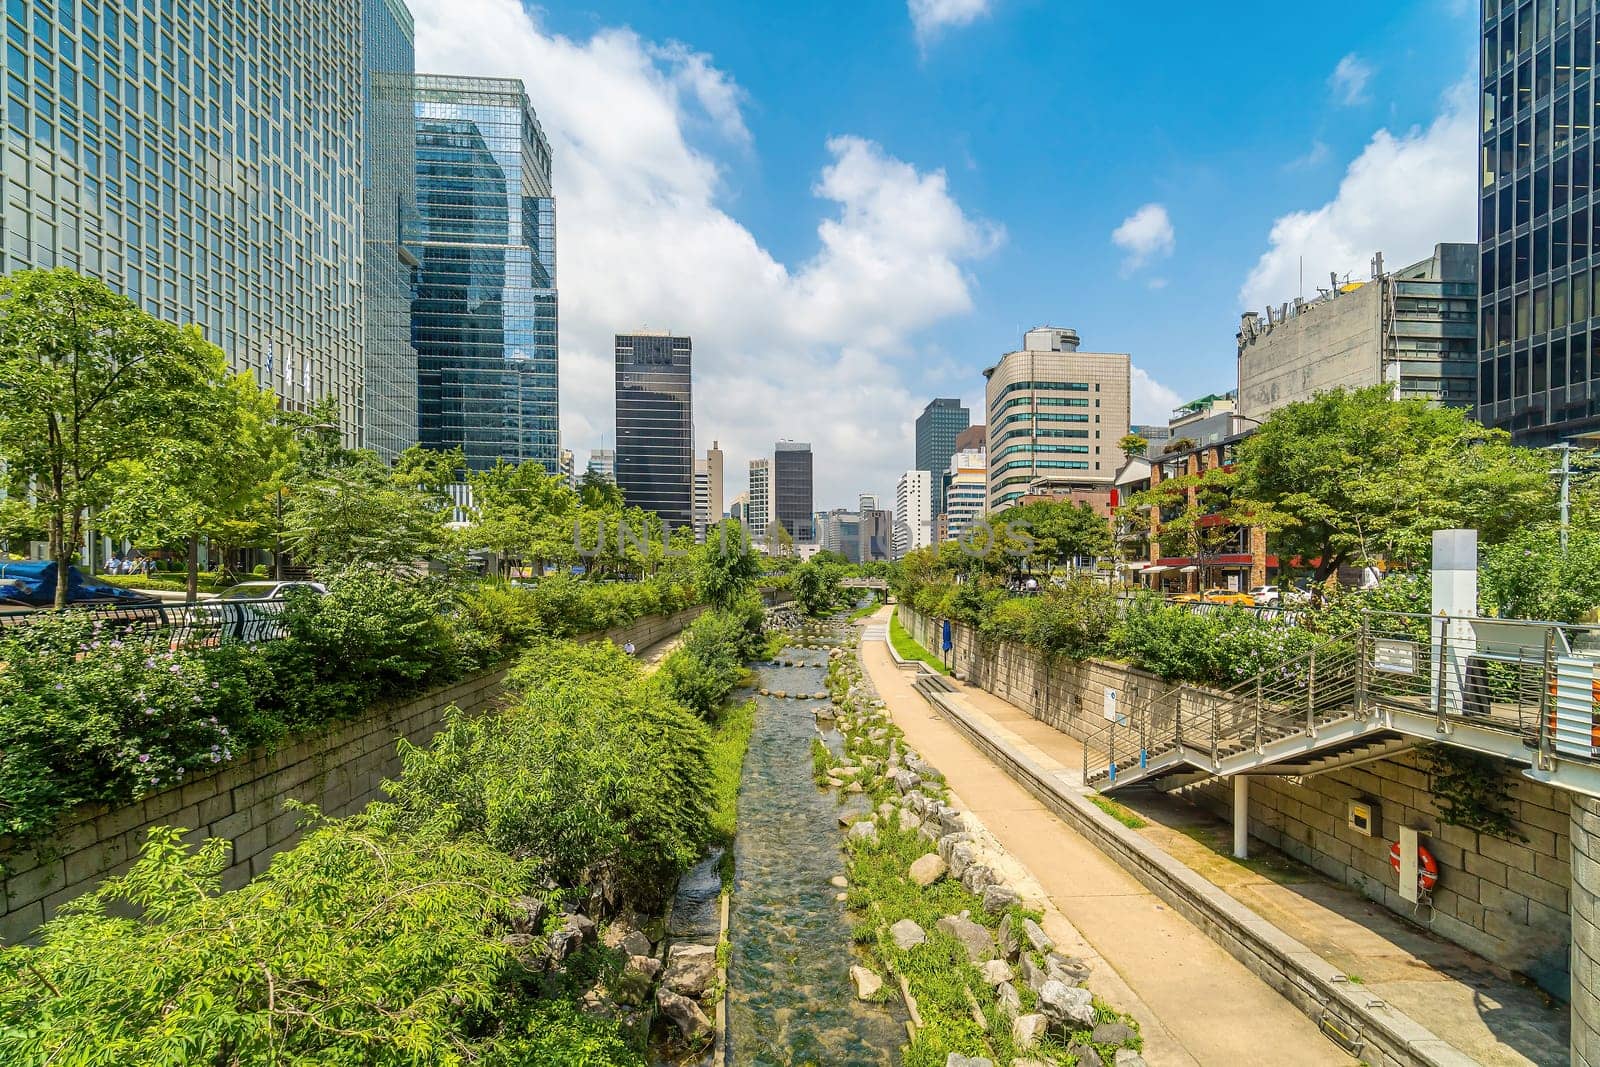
(484, 317)
(389, 184)
(1539, 331)
(655, 424)
(206, 160)
(792, 490)
(937, 428)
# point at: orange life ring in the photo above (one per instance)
(1427, 866)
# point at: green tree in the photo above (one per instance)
(1528, 576)
(89, 382)
(1061, 531)
(729, 568)
(815, 587)
(1356, 477)
(1133, 445)
(597, 491)
(214, 485)
(525, 514)
(355, 513)
(1200, 516)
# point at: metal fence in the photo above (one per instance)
(208, 623)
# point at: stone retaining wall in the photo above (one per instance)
(340, 769)
(1508, 901)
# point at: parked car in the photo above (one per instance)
(1230, 597)
(1266, 596)
(33, 583)
(268, 590)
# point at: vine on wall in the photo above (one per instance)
(1470, 789)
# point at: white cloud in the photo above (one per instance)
(1401, 196)
(1153, 403)
(1349, 80)
(1146, 235)
(929, 17)
(825, 350)
(1316, 156)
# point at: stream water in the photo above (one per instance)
(791, 1002)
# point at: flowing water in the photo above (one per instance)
(791, 1001)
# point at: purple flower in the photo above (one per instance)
(176, 668)
(215, 758)
(144, 757)
(216, 685)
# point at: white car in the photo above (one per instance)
(1266, 596)
(270, 590)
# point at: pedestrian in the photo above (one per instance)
(114, 565)
(628, 648)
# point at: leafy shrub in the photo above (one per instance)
(594, 776)
(1219, 648)
(356, 946)
(90, 714)
(703, 673)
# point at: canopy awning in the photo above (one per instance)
(1191, 569)
(1156, 570)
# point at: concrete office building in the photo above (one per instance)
(738, 509)
(973, 439)
(758, 514)
(714, 471)
(940, 423)
(966, 493)
(877, 535)
(792, 490)
(866, 502)
(841, 533)
(1055, 417)
(1412, 329)
(484, 318)
(702, 499)
(568, 468)
(603, 461)
(913, 512)
(206, 160)
(655, 424)
(1539, 222)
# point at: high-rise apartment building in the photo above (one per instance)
(389, 226)
(484, 317)
(913, 512)
(792, 490)
(655, 424)
(206, 160)
(966, 492)
(758, 513)
(1055, 417)
(1539, 223)
(940, 423)
(1413, 330)
(567, 468)
(714, 472)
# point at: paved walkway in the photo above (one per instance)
(1479, 1009)
(1195, 1003)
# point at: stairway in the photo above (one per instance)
(1302, 717)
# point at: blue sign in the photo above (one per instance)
(949, 640)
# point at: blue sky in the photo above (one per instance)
(1051, 125)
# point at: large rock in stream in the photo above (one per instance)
(685, 1014)
(690, 969)
(974, 938)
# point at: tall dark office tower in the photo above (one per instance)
(937, 428)
(389, 217)
(791, 490)
(655, 425)
(484, 317)
(1539, 331)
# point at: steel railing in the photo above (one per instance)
(202, 624)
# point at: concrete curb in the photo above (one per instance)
(1386, 1036)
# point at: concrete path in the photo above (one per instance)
(1195, 1003)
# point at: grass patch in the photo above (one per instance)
(1119, 813)
(908, 648)
(862, 612)
(730, 737)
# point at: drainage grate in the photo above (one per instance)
(1340, 1033)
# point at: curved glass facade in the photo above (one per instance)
(484, 318)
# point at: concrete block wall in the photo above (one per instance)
(1508, 901)
(1069, 695)
(340, 769)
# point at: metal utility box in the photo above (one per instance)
(1363, 817)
